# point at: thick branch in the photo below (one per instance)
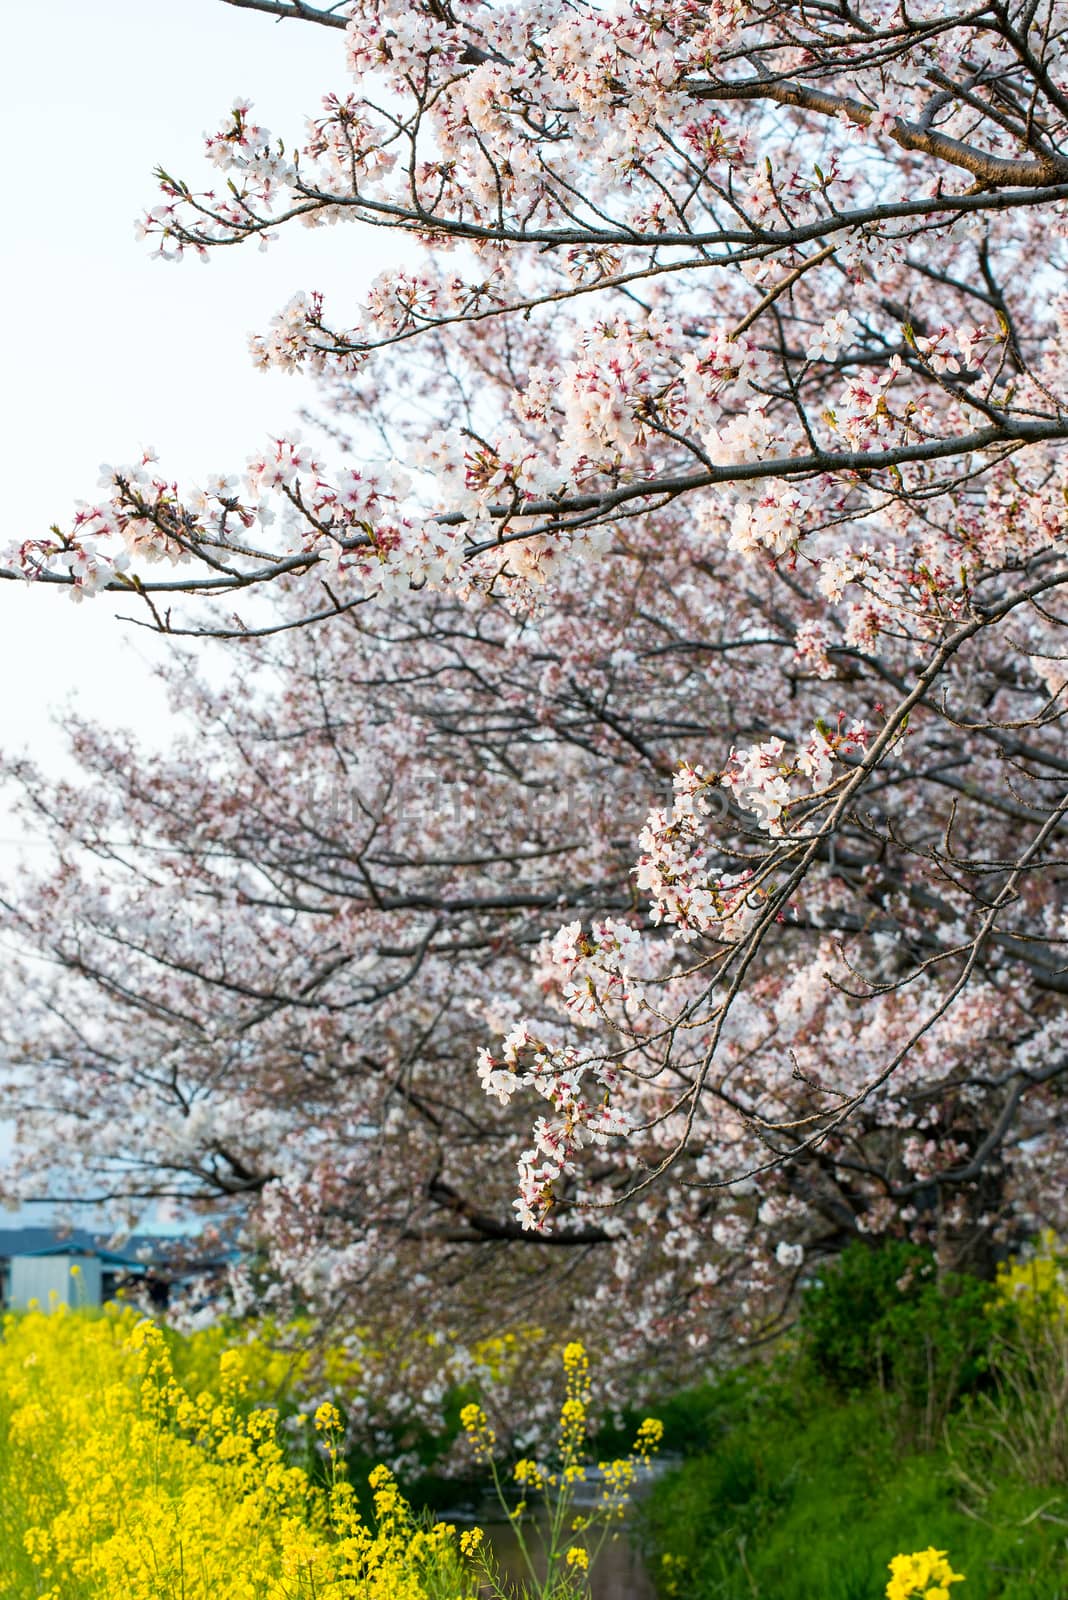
(988, 169)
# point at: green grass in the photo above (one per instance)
(802, 1495)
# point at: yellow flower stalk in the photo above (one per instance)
(569, 1543)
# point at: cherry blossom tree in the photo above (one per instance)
(640, 766)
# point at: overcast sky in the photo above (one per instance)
(106, 349)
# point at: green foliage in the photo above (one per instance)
(885, 1317)
(844, 1316)
(693, 1417)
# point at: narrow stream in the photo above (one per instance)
(619, 1572)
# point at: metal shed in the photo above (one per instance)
(37, 1264)
(56, 1277)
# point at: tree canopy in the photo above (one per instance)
(626, 855)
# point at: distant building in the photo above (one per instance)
(74, 1269)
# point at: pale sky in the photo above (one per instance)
(107, 350)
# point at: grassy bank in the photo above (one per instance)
(810, 1499)
(900, 1418)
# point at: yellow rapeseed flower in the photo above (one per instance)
(650, 1435)
(528, 1474)
(1036, 1283)
(575, 1358)
(925, 1575)
(327, 1418)
(120, 1482)
(481, 1436)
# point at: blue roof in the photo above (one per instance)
(140, 1250)
(110, 1258)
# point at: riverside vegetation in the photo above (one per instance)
(928, 1413)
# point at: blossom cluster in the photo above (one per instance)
(761, 779)
(583, 1114)
(673, 867)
